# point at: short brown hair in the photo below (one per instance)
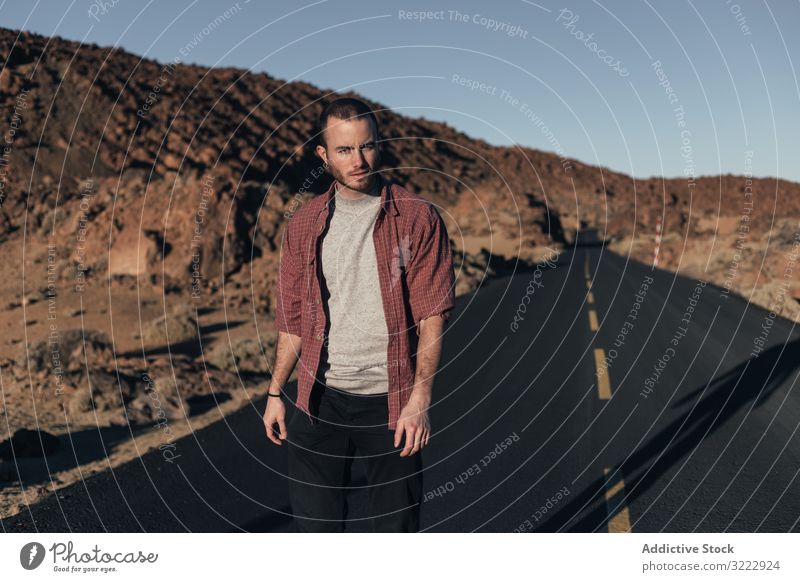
(344, 108)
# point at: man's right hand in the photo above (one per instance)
(275, 412)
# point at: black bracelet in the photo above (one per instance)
(275, 395)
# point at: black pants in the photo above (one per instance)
(321, 455)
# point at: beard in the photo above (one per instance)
(364, 184)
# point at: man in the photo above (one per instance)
(365, 287)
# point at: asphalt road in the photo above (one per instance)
(681, 430)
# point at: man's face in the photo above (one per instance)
(352, 152)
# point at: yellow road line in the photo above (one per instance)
(591, 297)
(603, 384)
(619, 517)
(593, 320)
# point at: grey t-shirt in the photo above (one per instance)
(358, 337)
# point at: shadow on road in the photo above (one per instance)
(708, 407)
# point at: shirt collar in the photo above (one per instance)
(387, 200)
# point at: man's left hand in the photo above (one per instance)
(415, 423)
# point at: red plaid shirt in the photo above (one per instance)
(415, 269)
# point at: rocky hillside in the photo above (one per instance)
(136, 151)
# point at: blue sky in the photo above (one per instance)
(590, 79)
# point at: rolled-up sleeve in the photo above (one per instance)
(430, 277)
(290, 285)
